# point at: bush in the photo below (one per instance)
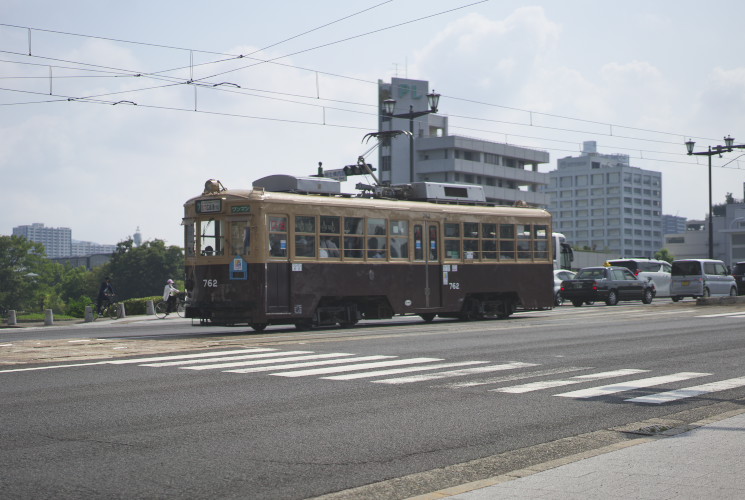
(76, 307)
(139, 306)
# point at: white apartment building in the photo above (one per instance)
(507, 173)
(56, 240)
(601, 202)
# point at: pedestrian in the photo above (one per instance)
(105, 292)
(169, 296)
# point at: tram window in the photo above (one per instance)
(433, 253)
(399, 239)
(211, 237)
(239, 237)
(470, 229)
(354, 230)
(329, 240)
(471, 249)
(506, 231)
(376, 238)
(418, 243)
(489, 243)
(524, 250)
(452, 230)
(540, 243)
(305, 236)
(190, 240)
(506, 250)
(277, 236)
(330, 224)
(452, 240)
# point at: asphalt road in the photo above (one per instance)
(129, 410)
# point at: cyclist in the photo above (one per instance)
(105, 292)
(169, 296)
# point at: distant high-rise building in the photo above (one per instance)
(137, 237)
(83, 248)
(56, 240)
(601, 202)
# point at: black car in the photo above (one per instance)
(738, 272)
(609, 284)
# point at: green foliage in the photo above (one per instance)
(664, 254)
(142, 271)
(21, 263)
(76, 307)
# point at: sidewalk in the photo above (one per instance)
(704, 463)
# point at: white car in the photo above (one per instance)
(658, 271)
(559, 276)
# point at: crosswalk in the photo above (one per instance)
(439, 372)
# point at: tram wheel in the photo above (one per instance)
(427, 317)
(259, 327)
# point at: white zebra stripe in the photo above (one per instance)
(454, 373)
(290, 366)
(689, 392)
(394, 371)
(227, 358)
(355, 367)
(187, 356)
(548, 384)
(630, 385)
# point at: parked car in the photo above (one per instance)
(658, 271)
(701, 278)
(738, 272)
(559, 276)
(609, 284)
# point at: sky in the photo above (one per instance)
(113, 114)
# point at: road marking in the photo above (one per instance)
(630, 385)
(689, 392)
(227, 358)
(454, 373)
(739, 314)
(307, 364)
(355, 367)
(187, 356)
(270, 361)
(548, 384)
(39, 368)
(516, 376)
(395, 371)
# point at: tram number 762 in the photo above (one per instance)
(209, 283)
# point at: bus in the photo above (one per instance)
(296, 251)
(562, 252)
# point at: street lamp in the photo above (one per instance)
(433, 99)
(729, 145)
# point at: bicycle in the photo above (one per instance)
(161, 307)
(109, 308)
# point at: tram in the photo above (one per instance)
(295, 250)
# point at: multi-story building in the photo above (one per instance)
(56, 240)
(672, 224)
(82, 248)
(601, 202)
(728, 244)
(507, 173)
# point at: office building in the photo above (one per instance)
(672, 224)
(507, 173)
(601, 202)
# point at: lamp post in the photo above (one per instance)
(713, 150)
(389, 105)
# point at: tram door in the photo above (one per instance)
(277, 287)
(427, 250)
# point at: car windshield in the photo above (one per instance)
(628, 264)
(590, 274)
(686, 268)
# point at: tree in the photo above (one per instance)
(664, 254)
(21, 263)
(142, 271)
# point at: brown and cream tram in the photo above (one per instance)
(264, 256)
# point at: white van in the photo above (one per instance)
(700, 278)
